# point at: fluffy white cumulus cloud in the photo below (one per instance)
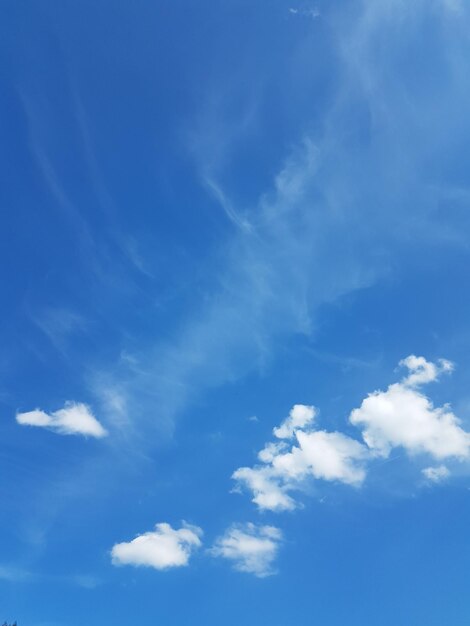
(436, 474)
(402, 416)
(162, 548)
(300, 416)
(268, 487)
(331, 456)
(75, 418)
(318, 454)
(422, 371)
(251, 548)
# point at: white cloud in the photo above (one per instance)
(272, 450)
(331, 456)
(251, 548)
(75, 418)
(422, 371)
(403, 416)
(436, 474)
(162, 548)
(323, 455)
(300, 416)
(268, 488)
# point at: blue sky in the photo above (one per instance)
(235, 312)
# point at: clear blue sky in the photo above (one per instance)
(235, 304)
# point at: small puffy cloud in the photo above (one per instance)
(75, 418)
(436, 474)
(403, 416)
(300, 417)
(267, 486)
(317, 454)
(422, 371)
(251, 548)
(162, 548)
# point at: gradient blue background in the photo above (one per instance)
(146, 254)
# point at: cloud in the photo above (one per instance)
(401, 416)
(404, 417)
(162, 548)
(268, 488)
(300, 416)
(329, 456)
(59, 324)
(343, 186)
(422, 371)
(436, 474)
(11, 573)
(233, 216)
(255, 266)
(318, 454)
(251, 548)
(75, 418)
(305, 12)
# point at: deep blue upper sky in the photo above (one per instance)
(212, 212)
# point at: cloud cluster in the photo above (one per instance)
(75, 418)
(302, 453)
(162, 548)
(251, 548)
(402, 416)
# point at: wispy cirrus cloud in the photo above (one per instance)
(59, 324)
(347, 187)
(311, 12)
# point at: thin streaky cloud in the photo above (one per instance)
(233, 216)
